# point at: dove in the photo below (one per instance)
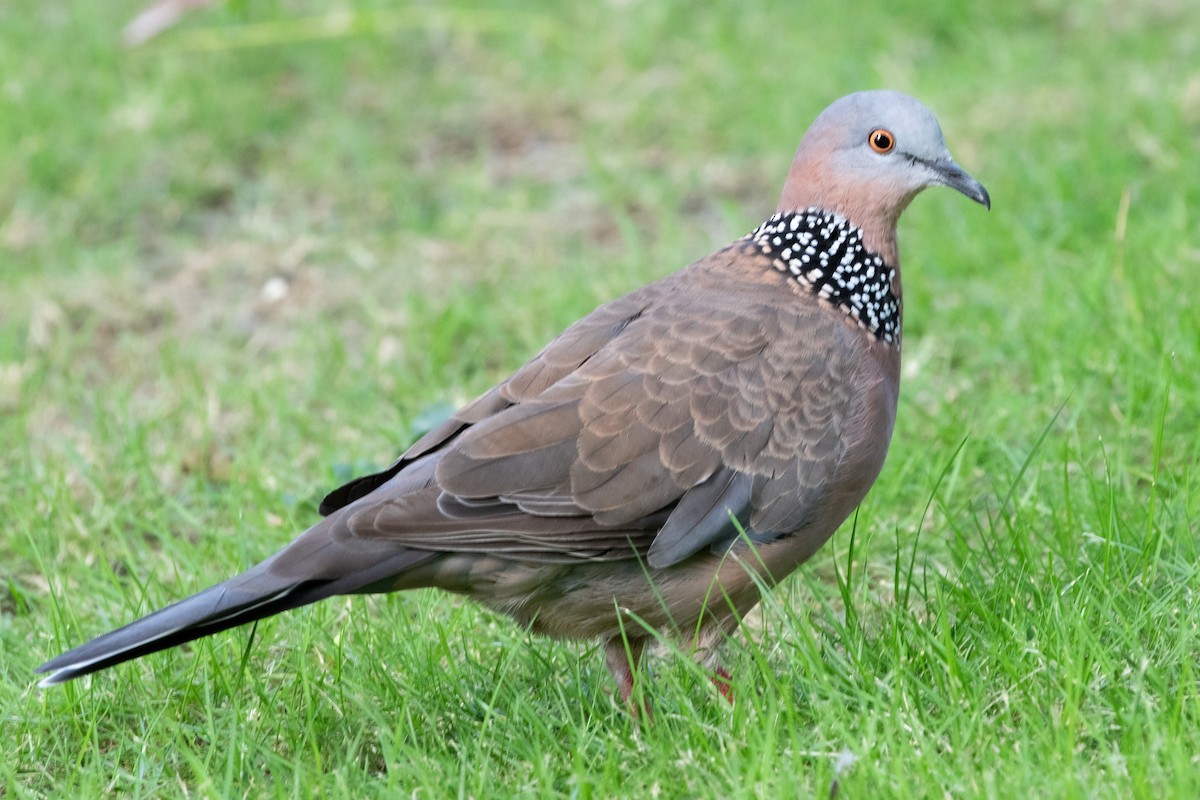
(664, 459)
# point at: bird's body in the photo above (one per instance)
(660, 461)
(638, 450)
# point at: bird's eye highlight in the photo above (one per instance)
(881, 140)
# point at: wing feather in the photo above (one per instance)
(641, 429)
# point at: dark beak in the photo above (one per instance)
(951, 174)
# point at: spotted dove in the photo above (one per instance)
(665, 457)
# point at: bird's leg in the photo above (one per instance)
(724, 683)
(622, 656)
(708, 655)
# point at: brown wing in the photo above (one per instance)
(559, 358)
(715, 390)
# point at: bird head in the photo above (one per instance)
(868, 154)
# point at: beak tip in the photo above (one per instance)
(948, 173)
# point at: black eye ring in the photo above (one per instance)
(882, 141)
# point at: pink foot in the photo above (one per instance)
(621, 664)
(724, 683)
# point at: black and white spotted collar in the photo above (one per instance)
(825, 254)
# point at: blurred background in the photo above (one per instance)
(250, 248)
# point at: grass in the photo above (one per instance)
(245, 260)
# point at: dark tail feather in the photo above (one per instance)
(251, 596)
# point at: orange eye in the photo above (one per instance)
(881, 140)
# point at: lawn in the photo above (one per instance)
(261, 252)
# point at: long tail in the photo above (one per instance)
(312, 568)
